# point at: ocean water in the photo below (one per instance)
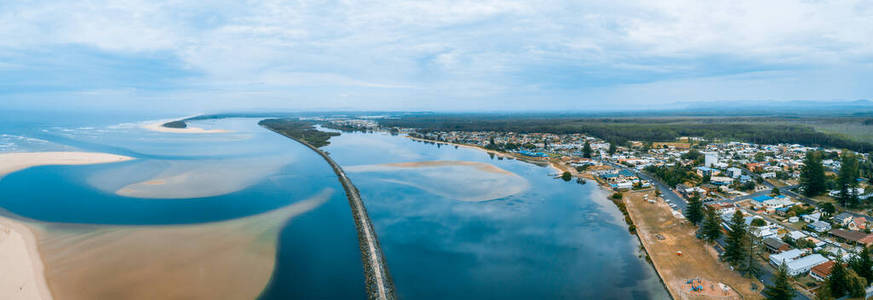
(470, 226)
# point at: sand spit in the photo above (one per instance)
(158, 126)
(16, 161)
(21, 269)
(459, 180)
(223, 260)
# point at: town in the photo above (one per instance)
(795, 217)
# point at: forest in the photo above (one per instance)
(622, 130)
(299, 130)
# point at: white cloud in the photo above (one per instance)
(466, 49)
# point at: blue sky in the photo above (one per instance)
(429, 55)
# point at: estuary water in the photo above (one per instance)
(454, 223)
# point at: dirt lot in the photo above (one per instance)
(663, 235)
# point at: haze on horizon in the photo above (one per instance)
(188, 56)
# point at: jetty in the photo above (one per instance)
(378, 280)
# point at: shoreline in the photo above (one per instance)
(15, 237)
(16, 161)
(559, 167)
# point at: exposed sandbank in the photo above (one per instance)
(192, 179)
(222, 260)
(12, 162)
(458, 180)
(21, 268)
(159, 127)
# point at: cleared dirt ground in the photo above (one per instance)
(663, 235)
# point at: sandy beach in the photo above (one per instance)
(223, 260)
(158, 126)
(16, 161)
(21, 269)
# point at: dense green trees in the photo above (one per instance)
(672, 175)
(734, 252)
(612, 148)
(586, 150)
(847, 180)
(300, 130)
(781, 288)
(845, 281)
(863, 265)
(711, 228)
(694, 211)
(566, 176)
(621, 130)
(812, 177)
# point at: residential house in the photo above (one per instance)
(819, 226)
(843, 219)
(784, 257)
(804, 264)
(811, 218)
(822, 271)
(775, 245)
(856, 237)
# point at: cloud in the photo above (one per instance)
(420, 54)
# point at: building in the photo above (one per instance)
(822, 271)
(843, 219)
(819, 226)
(777, 259)
(734, 172)
(804, 264)
(710, 159)
(811, 218)
(775, 245)
(856, 237)
(721, 180)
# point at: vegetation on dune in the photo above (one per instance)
(300, 130)
(176, 124)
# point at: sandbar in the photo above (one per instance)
(16, 161)
(458, 180)
(222, 260)
(21, 269)
(159, 127)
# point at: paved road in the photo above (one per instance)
(667, 192)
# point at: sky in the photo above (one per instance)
(212, 56)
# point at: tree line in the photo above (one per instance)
(641, 129)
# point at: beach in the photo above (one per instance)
(16, 161)
(222, 260)
(21, 269)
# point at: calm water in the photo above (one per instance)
(551, 240)
(554, 240)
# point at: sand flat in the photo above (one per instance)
(21, 268)
(159, 127)
(222, 260)
(458, 180)
(16, 161)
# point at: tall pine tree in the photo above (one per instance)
(863, 265)
(848, 179)
(586, 150)
(812, 177)
(734, 250)
(694, 211)
(781, 288)
(838, 280)
(711, 226)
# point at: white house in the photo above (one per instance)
(777, 259)
(804, 264)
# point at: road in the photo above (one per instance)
(667, 192)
